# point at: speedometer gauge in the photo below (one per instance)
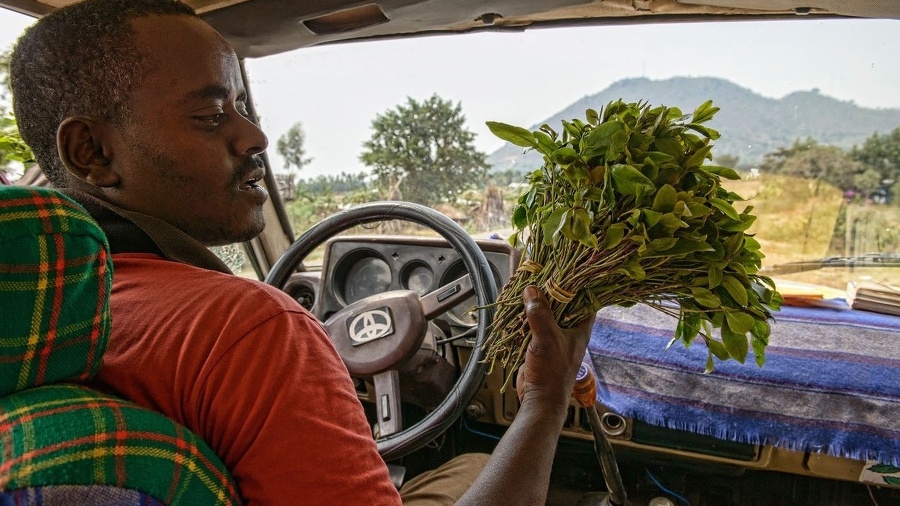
(418, 277)
(368, 276)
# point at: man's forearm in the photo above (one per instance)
(518, 471)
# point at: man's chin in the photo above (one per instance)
(223, 237)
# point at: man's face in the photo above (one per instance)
(187, 153)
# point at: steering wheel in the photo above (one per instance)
(377, 334)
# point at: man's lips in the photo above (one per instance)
(252, 180)
(254, 171)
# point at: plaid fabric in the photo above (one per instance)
(68, 434)
(67, 495)
(55, 277)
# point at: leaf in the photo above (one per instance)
(663, 244)
(520, 217)
(717, 349)
(593, 194)
(651, 218)
(698, 157)
(577, 175)
(632, 268)
(736, 289)
(715, 276)
(884, 469)
(554, 223)
(602, 135)
(578, 228)
(544, 143)
(704, 112)
(725, 207)
(687, 329)
(759, 350)
(665, 199)
(722, 172)
(630, 181)
(736, 344)
(705, 298)
(614, 235)
(564, 155)
(739, 322)
(513, 134)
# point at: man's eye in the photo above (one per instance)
(212, 119)
(242, 109)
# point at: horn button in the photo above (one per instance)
(378, 333)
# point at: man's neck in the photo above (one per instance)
(131, 232)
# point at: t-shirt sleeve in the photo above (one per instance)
(287, 421)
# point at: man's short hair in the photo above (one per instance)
(80, 60)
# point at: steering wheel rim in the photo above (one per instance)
(438, 420)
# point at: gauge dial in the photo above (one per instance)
(418, 277)
(368, 276)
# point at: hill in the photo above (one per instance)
(751, 124)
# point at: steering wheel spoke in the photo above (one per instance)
(441, 300)
(387, 403)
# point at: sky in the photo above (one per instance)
(522, 78)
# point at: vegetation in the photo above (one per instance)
(290, 147)
(13, 149)
(422, 152)
(881, 153)
(624, 211)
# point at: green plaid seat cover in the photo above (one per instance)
(55, 277)
(69, 434)
(60, 442)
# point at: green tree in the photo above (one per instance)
(774, 162)
(12, 147)
(881, 154)
(291, 148)
(422, 152)
(829, 164)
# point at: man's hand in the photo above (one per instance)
(518, 471)
(553, 356)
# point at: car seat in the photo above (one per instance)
(62, 442)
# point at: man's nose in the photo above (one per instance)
(249, 139)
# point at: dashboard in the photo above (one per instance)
(356, 267)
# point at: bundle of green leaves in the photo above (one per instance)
(624, 211)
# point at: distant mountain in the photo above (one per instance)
(751, 124)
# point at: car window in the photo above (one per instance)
(809, 118)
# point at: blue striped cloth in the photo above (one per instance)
(831, 382)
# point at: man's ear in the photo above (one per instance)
(84, 151)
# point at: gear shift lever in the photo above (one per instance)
(585, 394)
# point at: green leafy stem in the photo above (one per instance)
(625, 211)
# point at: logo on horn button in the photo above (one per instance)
(370, 326)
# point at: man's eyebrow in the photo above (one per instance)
(211, 92)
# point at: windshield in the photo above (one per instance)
(809, 118)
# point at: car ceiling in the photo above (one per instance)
(264, 27)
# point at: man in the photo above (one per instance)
(137, 109)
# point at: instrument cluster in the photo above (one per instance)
(356, 267)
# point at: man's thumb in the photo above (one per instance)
(537, 310)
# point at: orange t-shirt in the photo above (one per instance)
(250, 371)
